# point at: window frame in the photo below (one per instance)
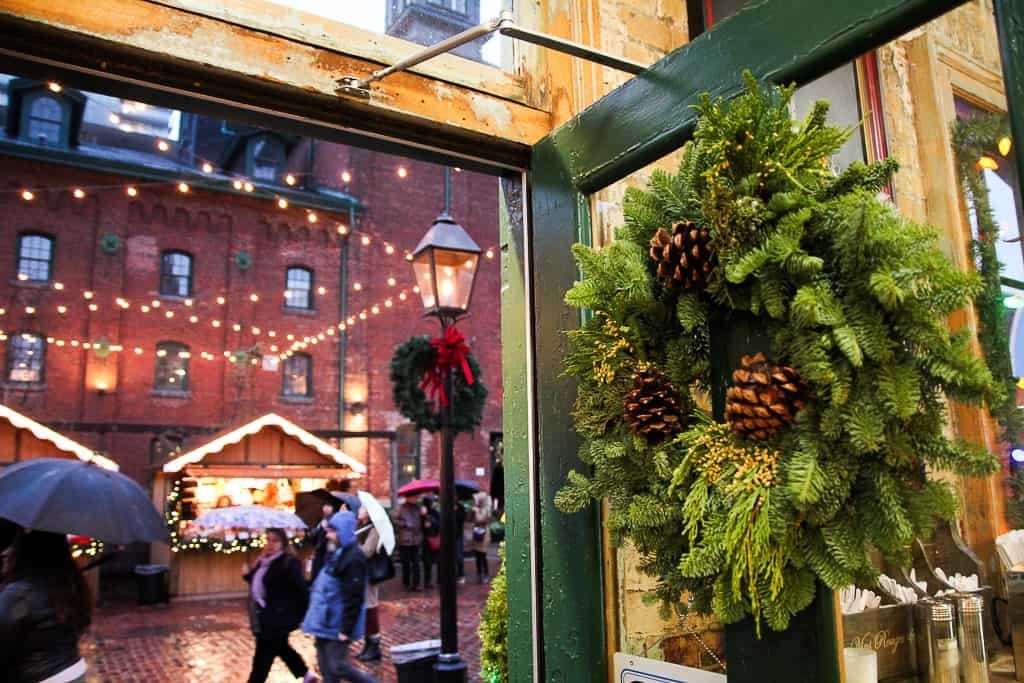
(250, 157)
(190, 289)
(309, 293)
(49, 266)
(9, 360)
(285, 393)
(28, 99)
(169, 387)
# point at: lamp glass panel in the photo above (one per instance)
(455, 272)
(421, 268)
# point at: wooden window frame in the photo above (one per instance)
(285, 393)
(49, 265)
(288, 306)
(168, 388)
(10, 360)
(28, 99)
(164, 275)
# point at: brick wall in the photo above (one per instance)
(214, 227)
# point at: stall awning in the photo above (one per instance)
(54, 439)
(219, 442)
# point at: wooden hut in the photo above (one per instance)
(266, 462)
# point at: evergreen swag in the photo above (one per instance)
(972, 139)
(409, 366)
(853, 297)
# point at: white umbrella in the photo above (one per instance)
(249, 517)
(380, 519)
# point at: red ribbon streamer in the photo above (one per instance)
(452, 352)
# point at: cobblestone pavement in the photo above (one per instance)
(210, 642)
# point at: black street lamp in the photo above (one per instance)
(445, 264)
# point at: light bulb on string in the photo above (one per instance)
(289, 179)
(59, 286)
(221, 300)
(346, 177)
(27, 195)
(1005, 145)
(131, 191)
(282, 203)
(87, 294)
(391, 281)
(54, 86)
(183, 188)
(365, 240)
(358, 286)
(311, 217)
(489, 253)
(162, 145)
(144, 309)
(207, 167)
(215, 323)
(248, 187)
(342, 229)
(237, 184)
(79, 193)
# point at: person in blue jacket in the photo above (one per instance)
(336, 616)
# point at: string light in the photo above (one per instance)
(1005, 145)
(290, 179)
(54, 86)
(321, 290)
(248, 186)
(88, 295)
(132, 192)
(358, 286)
(30, 310)
(311, 217)
(27, 195)
(221, 300)
(59, 286)
(402, 172)
(183, 188)
(145, 309)
(391, 282)
(489, 253)
(254, 298)
(282, 203)
(162, 145)
(93, 307)
(342, 229)
(237, 184)
(389, 249)
(79, 193)
(346, 176)
(365, 240)
(216, 323)
(207, 167)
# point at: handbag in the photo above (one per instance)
(380, 567)
(479, 533)
(434, 543)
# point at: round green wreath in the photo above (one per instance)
(842, 289)
(409, 365)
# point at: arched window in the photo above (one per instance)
(172, 367)
(298, 376)
(45, 118)
(175, 274)
(26, 358)
(35, 257)
(266, 157)
(298, 292)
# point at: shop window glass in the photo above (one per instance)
(26, 358)
(45, 121)
(298, 376)
(172, 367)
(35, 258)
(176, 274)
(266, 158)
(298, 291)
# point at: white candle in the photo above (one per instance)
(861, 665)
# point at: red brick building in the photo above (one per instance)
(157, 267)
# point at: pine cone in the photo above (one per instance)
(764, 398)
(652, 406)
(685, 256)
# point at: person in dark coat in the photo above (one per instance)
(45, 608)
(431, 522)
(278, 598)
(318, 538)
(336, 616)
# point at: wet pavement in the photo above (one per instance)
(210, 642)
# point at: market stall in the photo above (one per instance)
(263, 463)
(22, 438)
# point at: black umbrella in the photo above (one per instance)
(77, 497)
(309, 505)
(466, 488)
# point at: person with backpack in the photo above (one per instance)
(278, 597)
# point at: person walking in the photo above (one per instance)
(336, 614)
(431, 521)
(410, 538)
(45, 608)
(370, 545)
(481, 520)
(278, 596)
(318, 538)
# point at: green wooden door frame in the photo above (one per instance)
(646, 118)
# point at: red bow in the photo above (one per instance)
(452, 351)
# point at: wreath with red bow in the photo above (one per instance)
(417, 381)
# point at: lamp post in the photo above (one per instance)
(445, 264)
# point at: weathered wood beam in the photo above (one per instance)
(779, 40)
(180, 50)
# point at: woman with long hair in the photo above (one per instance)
(278, 597)
(45, 608)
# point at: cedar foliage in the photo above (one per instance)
(855, 299)
(494, 629)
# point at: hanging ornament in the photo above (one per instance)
(652, 406)
(764, 398)
(684, 256)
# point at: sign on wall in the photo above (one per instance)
(633, 669)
